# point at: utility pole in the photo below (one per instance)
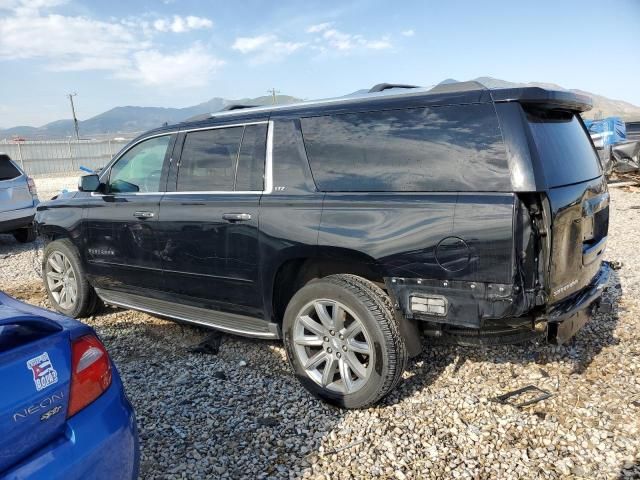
(73, 112)
(273, 93)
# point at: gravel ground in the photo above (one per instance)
(240, 413)
(48, 185)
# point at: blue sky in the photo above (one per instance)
(177, 53)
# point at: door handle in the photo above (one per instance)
(143, 214)
(236, 217)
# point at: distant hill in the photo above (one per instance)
(131, 119)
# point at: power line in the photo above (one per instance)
(273, 93)
(73, 112)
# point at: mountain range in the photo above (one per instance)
(123, 121)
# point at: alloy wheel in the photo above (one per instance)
(62, 280)
(333, 346)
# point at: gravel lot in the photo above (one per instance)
(240, 413)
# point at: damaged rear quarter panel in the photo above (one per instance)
(401, 233)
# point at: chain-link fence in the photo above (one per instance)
(61, 157)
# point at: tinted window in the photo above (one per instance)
(563, 146)
(140, 168)
(7, 169)
(208, 161)
(452, 148)
(250, 174)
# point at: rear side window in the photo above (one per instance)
(208, 161)
(250, 173)
(8, 171)
(449, 148)
(223, 160)
(563, 147)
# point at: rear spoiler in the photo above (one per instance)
(543, 97)
(11, 316)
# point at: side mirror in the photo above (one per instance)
(89, 183)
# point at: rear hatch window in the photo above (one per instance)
(564, 148)
(8, 170)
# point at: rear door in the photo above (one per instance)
(121, 248)
(209, 218)
(14, 191)
(578, 198)
(35, 371)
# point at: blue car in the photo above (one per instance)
(63, 410)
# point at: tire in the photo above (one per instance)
(61, 257)
(359, 340)
(25, 235)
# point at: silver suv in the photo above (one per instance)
(18, 201)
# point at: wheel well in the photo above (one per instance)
(296, 273)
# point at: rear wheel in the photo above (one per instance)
(343, 341)
(25, 235)
(65, 281)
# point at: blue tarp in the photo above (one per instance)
(608, 131)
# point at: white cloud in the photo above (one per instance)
(251, 44)
(408, 33)
(180, 24)
(190, 68)
(265, 48)
(26, 7)
(320, 27)
(123, 47)
(381, 44)
(62, 38)
(337, 40)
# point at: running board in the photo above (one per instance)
(227, 322)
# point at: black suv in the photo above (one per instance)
(348, 227)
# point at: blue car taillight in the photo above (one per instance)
(90, 372)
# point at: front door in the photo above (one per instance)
(209, 223)
(121, 249)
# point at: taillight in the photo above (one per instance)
(91, 372)
(32, 187)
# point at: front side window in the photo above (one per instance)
(139, 170)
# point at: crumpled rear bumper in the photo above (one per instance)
(567, 317)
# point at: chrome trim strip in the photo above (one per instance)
(268, 164)
(216, 127)
(237, 331)
(207, 192)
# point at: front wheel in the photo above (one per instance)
(65, 282)
(343, 341)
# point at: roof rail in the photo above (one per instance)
(237, 106)
(381, 87)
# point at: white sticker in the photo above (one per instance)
(43, 372)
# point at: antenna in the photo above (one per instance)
(73, 113)
(273, 92)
